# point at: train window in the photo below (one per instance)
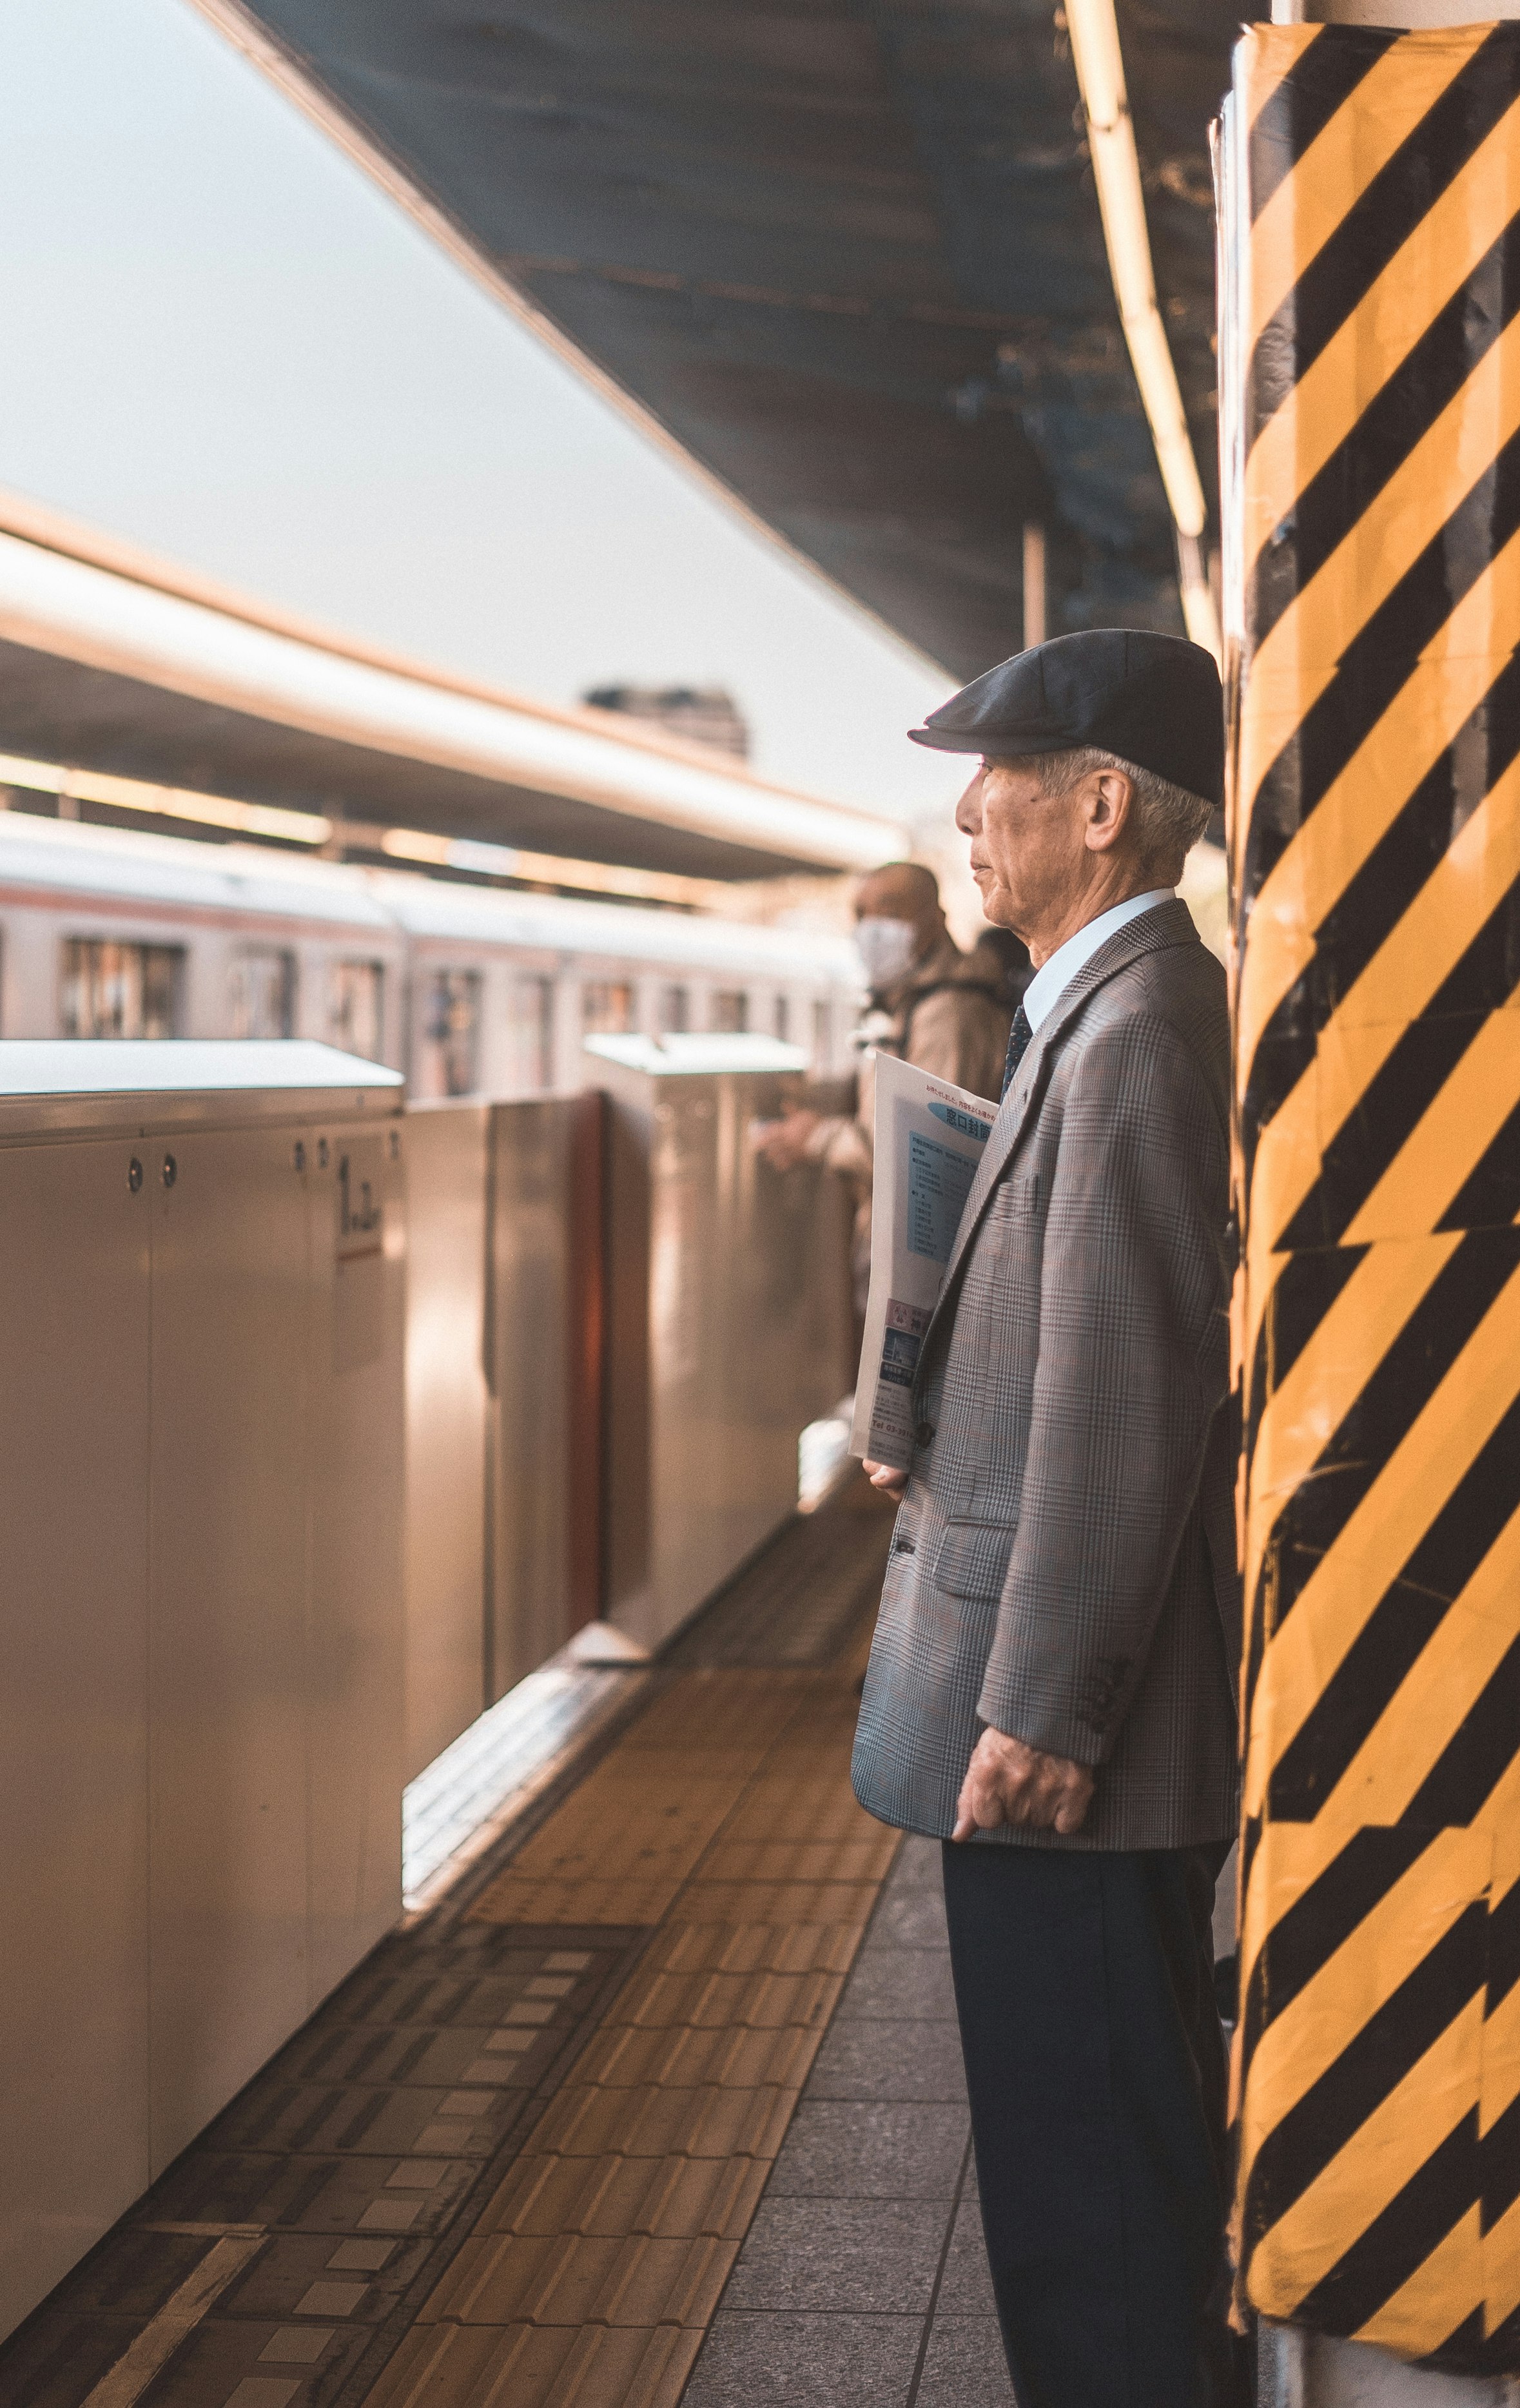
(675, 1010)
(780, 1017)
(730, 1010)
(449, 1057)
(823, 1034)
(261, 993)
(530, 1036)
(114, 990)
(356, 1008)
(606, 1008)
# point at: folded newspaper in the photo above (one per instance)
(929, 1140)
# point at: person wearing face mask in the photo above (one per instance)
(945, 1011)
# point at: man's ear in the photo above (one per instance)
(1112, 797)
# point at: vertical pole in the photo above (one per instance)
(1034, 584)
(1370, 423)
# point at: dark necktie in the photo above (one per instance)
(1018, 1045)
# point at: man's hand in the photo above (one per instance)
(784, 1142)
(886, 1476)
(1009, 1783)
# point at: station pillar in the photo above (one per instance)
(1370, 385)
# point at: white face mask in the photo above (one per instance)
(887, 949)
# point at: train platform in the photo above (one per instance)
(659, 2100)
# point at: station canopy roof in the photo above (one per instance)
(845, 254)
(116, 665)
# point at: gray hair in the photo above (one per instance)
(1169, 820)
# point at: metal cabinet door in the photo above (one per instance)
(445, 1426)
(356, 1465)
(227, 1669)
(73, 1707)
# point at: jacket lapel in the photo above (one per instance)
(1167, 924)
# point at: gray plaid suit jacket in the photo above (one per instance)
(1064, 1560)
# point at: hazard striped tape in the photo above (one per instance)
(1372, 381)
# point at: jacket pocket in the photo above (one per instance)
(973, 1559)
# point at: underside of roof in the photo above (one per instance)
(847, 253)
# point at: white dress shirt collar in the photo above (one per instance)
(1050, 981)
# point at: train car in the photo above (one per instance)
(469, 990)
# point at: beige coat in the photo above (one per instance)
(954, 1029)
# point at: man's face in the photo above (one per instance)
(1029, 850)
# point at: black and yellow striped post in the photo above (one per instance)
(1371, 376)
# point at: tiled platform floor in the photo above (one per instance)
(863, 2278)
(512, 2163)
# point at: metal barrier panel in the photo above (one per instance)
(729, 1329)
(200, 1618)
(447, 1405)
(1371, 392)
(544, 1372)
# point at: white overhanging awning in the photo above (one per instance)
(58, 601)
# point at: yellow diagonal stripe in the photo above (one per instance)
(1499, 1817)
(1330, 177)
(1447, 1143)
(1303, 1415)
(1439, 2295)
(1381, 1534)
(1403, 2132)
(1267, 53)
(1500, 2059)
(1501, 2270)
(1411, 1919)
(1440, 1690)
(1437, 257)
(1454, 673)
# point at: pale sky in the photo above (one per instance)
(222, 342)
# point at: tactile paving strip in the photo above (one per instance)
(355, 2162)
(509, 2163)
(595, 2270)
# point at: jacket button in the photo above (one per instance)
(903, 1547)
(925, 1433)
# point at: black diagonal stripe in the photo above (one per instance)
(1462, 2349)
(1394, 421)
(1481, 1751)
(1322, 1920)
(1500, 2352)
(1403, 1623)
(1379, 222)
(1307, 1286)
(1251, 1829)
(1490, 1192)
(1373, 2062)
(1373, 901)
(1387, 1409)
(1255, 1646)
(1503, 1947)
(1396, 2243)
(1501, 2150)
(1390, 1107)
(1386, 1113)
(1379, 662)
(1303, 104)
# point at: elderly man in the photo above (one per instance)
(930, 1004)
(1050, 1686)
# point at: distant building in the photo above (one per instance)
(705, 714)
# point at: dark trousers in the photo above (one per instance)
(1096, 2066)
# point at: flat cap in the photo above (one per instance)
(1155, 700)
